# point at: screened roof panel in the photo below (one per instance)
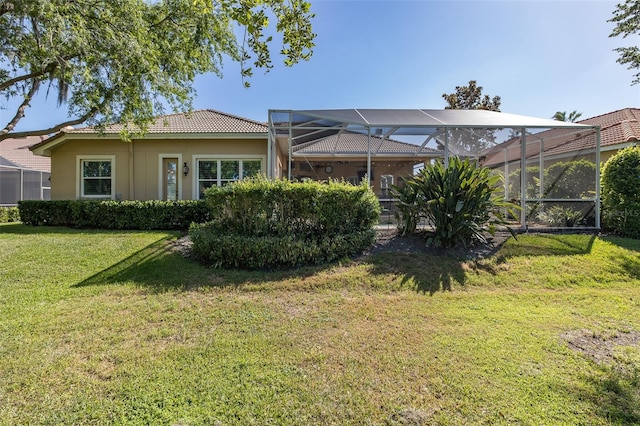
(425, 118)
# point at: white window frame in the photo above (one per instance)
(386, 181)
(80, 159)
(218, 158)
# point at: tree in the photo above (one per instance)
(470, 97)
(121, 60)
(562, 116)
(467, 142)
(626, 16)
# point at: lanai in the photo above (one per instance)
(467, 133)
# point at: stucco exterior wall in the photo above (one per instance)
(137, 164)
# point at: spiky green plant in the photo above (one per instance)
(462, 201)
(407, 210)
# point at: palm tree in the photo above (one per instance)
(562, 116)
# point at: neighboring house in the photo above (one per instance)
(23, 175)
(618, 129)
(183, 154)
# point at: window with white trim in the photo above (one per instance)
(386, 182)
(220, 172)
(96, 178)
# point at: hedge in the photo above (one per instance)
(260, 224)
(143, 215)
(620, 182)
(265, 252)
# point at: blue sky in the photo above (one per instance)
(538, 56)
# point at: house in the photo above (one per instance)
(618, 129)
(183, 154)
(23, 175)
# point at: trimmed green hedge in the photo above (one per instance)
(620, 193)
(259, 223)
(9, 214)
(268, 251)
(141, 215)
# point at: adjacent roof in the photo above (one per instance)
(352, 143)
(16, 152)
(616, 128)
(201, 123)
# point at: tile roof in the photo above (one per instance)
(16, 151)
(357, 143)
(617, 127)
(199, 121)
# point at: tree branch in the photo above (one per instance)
(35, 84)
(50, 130)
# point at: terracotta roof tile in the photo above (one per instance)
(200, 121)
(617, 127)
(356, 143)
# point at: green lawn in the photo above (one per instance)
(104, 327)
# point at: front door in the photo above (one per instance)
(170, 179)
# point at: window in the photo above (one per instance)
(96, 178)
(386, 181)
(213, 172)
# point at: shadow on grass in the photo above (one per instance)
(618, 396)
(613, 393)
(17, 228)
(159, 268)
(425, 272)
(547, 245)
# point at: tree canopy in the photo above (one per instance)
(123, 60)
(467, 142)
(626, 16)
(471, 97)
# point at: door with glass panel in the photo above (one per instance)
(170, 179)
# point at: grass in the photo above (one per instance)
(114, 328)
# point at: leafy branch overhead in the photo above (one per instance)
(627, 20)
(123, 60)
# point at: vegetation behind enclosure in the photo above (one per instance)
(261, 223)
(620, 192)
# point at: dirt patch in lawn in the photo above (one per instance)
(600, 347)
(391, 241)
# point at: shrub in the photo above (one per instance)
(259, 223)
(142, 215)
(620, 193)
(407, 211)
(561, 216)
(9, 214)
(463, 202)
(571, 179)
(227, 250)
